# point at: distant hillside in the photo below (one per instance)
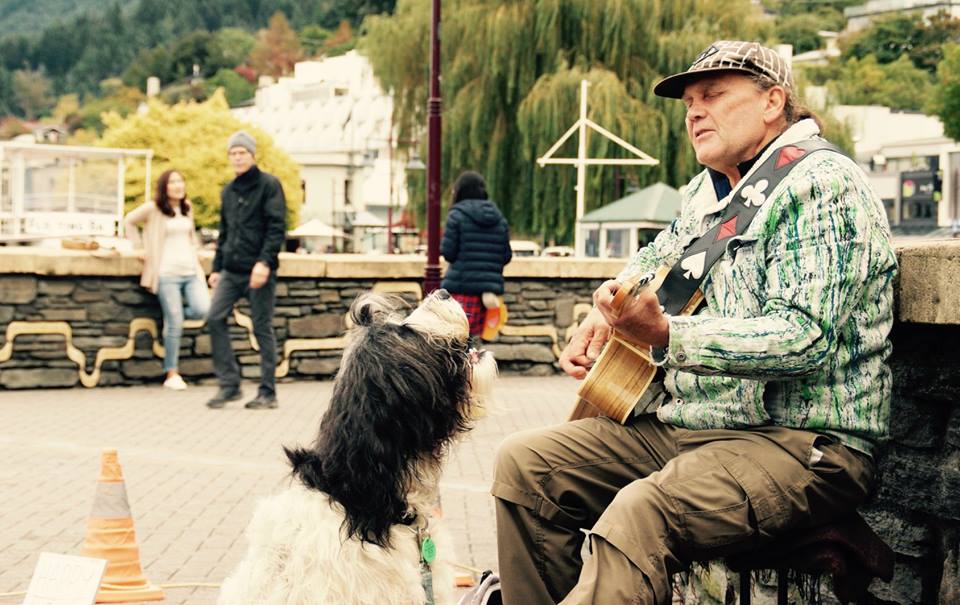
(32, 16)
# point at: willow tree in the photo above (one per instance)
(511, 70)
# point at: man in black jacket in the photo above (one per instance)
(252, 226)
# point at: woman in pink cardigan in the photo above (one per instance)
(170, 266)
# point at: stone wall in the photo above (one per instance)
(96, 300)
(72, 318)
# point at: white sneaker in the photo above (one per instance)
(175, 383)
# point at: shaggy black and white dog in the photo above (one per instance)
(351, 528)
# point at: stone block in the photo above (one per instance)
(109, 311)
(563, 311)
(929, 284)
(282, 289)
(311, 293)
(325, 366)
(287, 312)
(917, 422)
(949, 497)
(250, 371)
(142, 368)
(953, 427)
(121, 284)
(329, 296)
(531, 294)
(522, 352)
(83, 295)
(35, 378)
(907, 585)
(6, 314)
(540, 315)
(539, 369)
(196, 367)
(64, 314)
(950, 582)
(57, 287)
(903, 536)
(135, 297)
(18, 290)
(249, 359)
(316, 326)
(539, 305)
(201, 345)
(114, 328)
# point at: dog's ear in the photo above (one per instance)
(370, 309)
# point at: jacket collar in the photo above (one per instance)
(248, 179)
(705, 200)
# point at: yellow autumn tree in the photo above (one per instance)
(191, 137)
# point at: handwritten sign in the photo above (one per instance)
(65, 580)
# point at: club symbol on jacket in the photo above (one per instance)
(753, 194)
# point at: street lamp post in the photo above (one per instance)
(431, 278)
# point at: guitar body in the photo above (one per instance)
(624, 369)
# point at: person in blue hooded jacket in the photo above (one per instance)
(476, 244)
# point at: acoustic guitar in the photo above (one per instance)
(624, 370)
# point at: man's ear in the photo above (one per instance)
(776, 100)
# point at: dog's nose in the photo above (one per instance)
(442, 294)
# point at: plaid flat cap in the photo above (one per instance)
(728, 55)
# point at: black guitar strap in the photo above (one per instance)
(688, 273)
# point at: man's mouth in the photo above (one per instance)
(699, 133)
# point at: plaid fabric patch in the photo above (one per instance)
(473, 306)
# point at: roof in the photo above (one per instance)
(315, 228)
(658, 203)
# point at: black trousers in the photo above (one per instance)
(230, 289)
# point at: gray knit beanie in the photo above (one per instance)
(241, 139)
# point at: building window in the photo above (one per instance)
(618, 241)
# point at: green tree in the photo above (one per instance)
(945, 101)
(927, 51)
(312, 38)
(908, 34)
(898, 85)
(233, 45)
(510, 83)
(31, 93)
(236, 88)
(886, 39)
(191, 137)
(113, 98)
(801, 31)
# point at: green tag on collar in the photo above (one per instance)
(428, 550)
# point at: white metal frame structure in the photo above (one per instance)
(582, 161)
(60, 215)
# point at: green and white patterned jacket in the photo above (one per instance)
(795, 327)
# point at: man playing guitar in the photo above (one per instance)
(773, 392)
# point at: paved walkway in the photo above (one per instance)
(193, 474)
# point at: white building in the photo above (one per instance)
(912, 165)
(333, 118)
(859, 17)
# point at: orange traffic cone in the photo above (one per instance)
(110, 536)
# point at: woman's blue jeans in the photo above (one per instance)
(181, 296)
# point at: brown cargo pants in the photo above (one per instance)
(654, 498)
